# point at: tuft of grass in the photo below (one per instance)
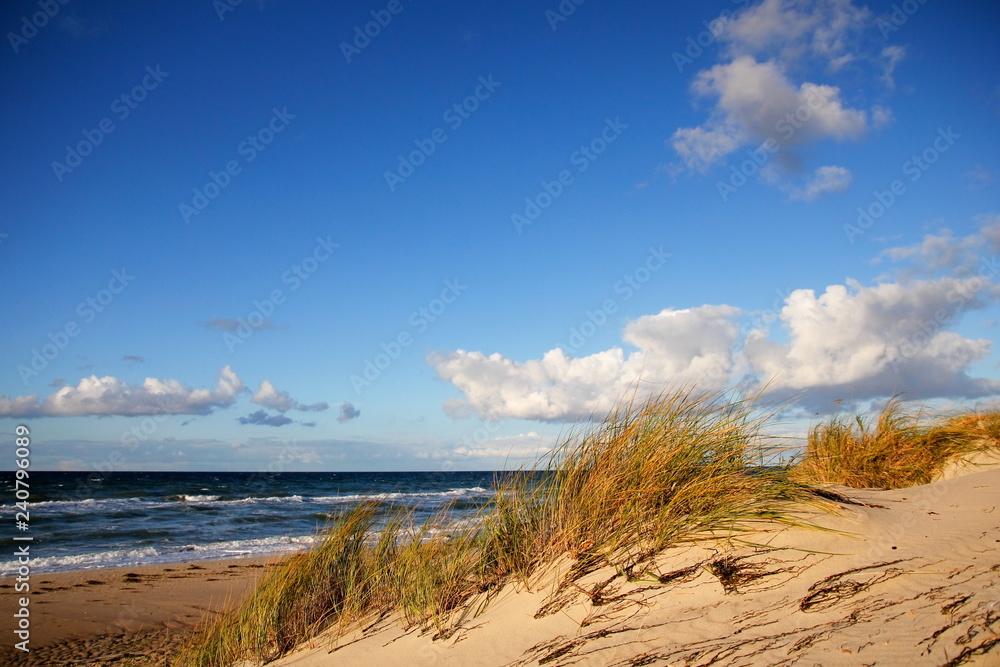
(675, 467)
(898, 448)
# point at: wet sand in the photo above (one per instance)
(136, 615)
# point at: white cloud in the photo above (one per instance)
(761, 95)
(673, 346)
(756, 103)
(824, 180)
(794, 29)
(849, 341)
(107, 396)
(891, 57)
(871, 341)
(270, 397)
(943, 252)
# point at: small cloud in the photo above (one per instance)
(891, 57)
(134, 358)
(231, 325)
(261, 418)
(270, 397)
(980, 177)
(79, 28)
(309, 424)
(348, 412)
(825, 180)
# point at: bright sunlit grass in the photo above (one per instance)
(898, 448)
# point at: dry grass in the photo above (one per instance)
(676, 467)
(898, 448)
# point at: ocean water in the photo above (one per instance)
(82, 521)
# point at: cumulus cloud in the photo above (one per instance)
(761, 100)
(270, 397)
(757, 103)
(860, 341)
(847, 341)
(673, 345)
(110, 396)
(261, 418)
(348, 412)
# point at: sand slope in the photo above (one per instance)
(917, 582)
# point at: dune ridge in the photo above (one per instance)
(907, 576)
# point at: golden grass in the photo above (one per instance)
(676, 467)
(898, 448)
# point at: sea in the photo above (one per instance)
(82, 521)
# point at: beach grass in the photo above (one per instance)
(676, 467)
(900, 447)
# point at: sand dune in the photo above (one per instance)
(909, 577)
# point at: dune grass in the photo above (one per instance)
(900, 447)
(676, 467)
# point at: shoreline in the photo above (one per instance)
(130, 613)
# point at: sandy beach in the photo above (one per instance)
(143, 614)
(908, 576)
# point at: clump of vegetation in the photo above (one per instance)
(898, 448)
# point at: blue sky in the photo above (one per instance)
(252, 236)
